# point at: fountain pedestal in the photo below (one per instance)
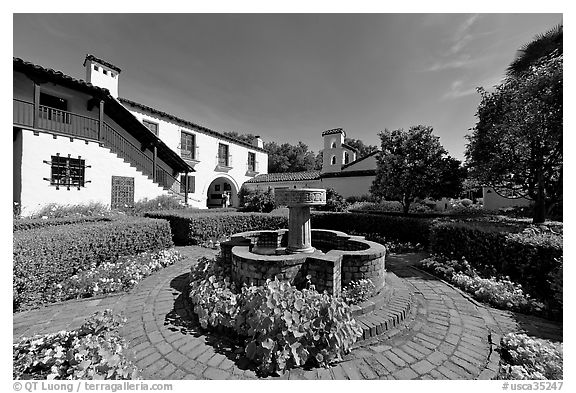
(299, 201)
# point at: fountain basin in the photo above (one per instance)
(336, 260)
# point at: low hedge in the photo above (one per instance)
(197, 228)
(43, 256)
(527, 257)
(32, 223)
(398, 228)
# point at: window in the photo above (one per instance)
(191, 184)
(333, 160)
(223, 158)
(187, 145)
(112, 74)
(346, 157)
(151, 126)
(67, 172)
(333, 144)
(95, 68)
(251, 162)
(54, 108)
(227, 187)
(105, 72)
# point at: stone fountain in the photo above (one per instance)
(331, 258)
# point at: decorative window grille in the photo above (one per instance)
(122, 192)
(67, 172)
(187, 145)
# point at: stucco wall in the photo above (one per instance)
(349, 186)
(207, 152)
(368, 163)
(493, 201)
(37, 192)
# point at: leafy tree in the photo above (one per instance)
(334, 202)
(289, 158)
(516, 145)
(409, 165)
(452, 176)
(363, 150)
(248, 138)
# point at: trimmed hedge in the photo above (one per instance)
(196, 228)
(43, 256)
(401, 228)
(32, 223)
(526, 257)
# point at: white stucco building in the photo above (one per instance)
(76, 141)
(342, 170)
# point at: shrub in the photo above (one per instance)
(113, 276)
(32, 223)
(526, 256)
(497, 291)
(362, 198)
(334, 202)
(523, 357)
(281, 327)
(257, 200)
(197, 228)
(162, 202)
(393, 228)
(43, 256)
(55, 210)
(358, 291)
(95, 351)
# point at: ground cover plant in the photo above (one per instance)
(43, 256)
(524, 357)
(487, 287)
(94, 351)
(278, 326)
(113, 276)
(358, 291)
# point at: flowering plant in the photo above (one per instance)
(358, 291)
(280, 326)
(524, 357)
(95, 351)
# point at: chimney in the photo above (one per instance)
(258, 142)
(102, 74)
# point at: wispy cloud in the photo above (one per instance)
(445, 64)
(459, 89)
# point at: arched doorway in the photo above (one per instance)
(217, 188)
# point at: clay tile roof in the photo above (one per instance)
(103, 62)
(287, 176)
(334, 131)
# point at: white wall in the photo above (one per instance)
(349, 186)
(37, 192)
(207, 152)
(493, 201)
(368, 163)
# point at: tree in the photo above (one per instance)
(409, 165)
(289, 158)
(248, 138)
(363, 150)
(541, 46)
(516, 145)
(452, 176)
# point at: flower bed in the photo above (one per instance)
(523, 357)
(358, 291)
(110, 277)
(44, 256)
(95, 351)
(497, 291)
(279, 326)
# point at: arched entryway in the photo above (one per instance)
(217, 188)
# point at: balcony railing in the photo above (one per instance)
(224, 161)
(190, 155)
(75, 125)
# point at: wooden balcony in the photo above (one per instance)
(74, 125)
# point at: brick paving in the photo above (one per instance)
(445, 334)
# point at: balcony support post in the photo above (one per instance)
(100, 120)
(186, 188)
(36, 105)
(154, 159)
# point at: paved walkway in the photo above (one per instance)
(445, 337)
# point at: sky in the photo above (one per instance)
(288, 77)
